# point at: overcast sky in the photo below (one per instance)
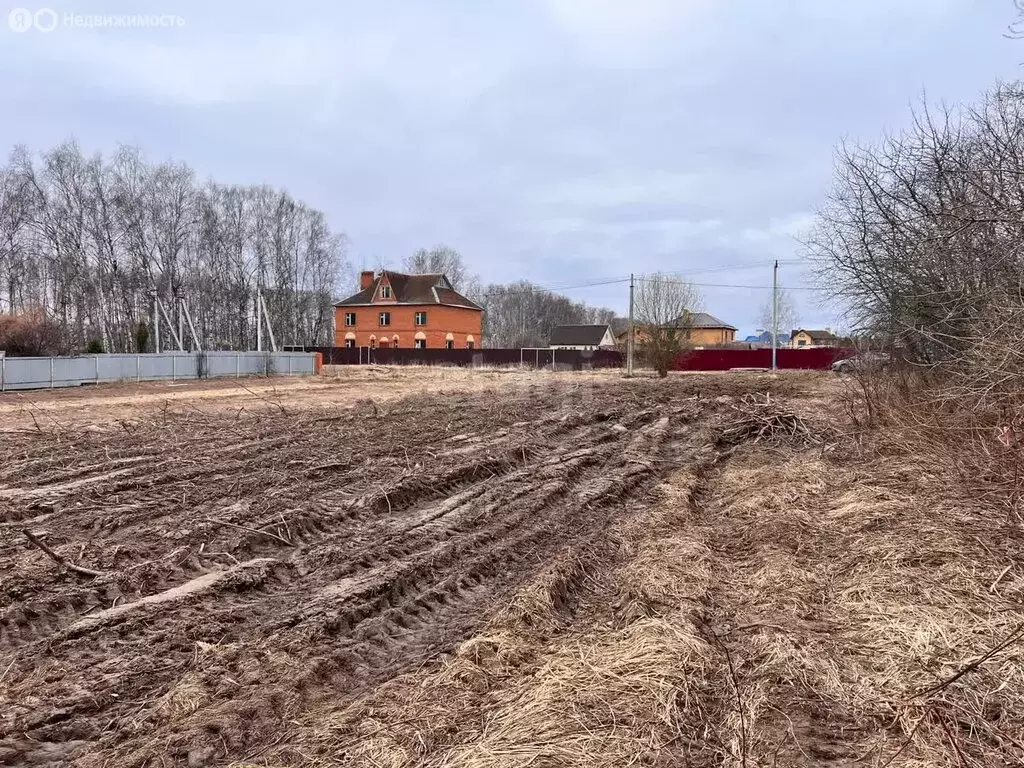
(562, 141)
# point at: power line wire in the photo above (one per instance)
(513, 288)
(719, 285)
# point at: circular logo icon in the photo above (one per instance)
(20, 20)
(45, 19)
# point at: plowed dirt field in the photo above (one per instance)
(540, 570)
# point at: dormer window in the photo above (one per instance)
(385, 291)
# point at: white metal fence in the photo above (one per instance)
(50, 372)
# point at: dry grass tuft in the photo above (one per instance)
(548, 601)
(852, 608)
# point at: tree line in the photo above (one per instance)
(87, 242)
(90, 240)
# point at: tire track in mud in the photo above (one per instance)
(33, 618)
(380, 621)
(423, 576)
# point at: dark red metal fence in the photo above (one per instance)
(811, 358)
(574, 359)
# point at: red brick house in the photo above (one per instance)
(397, 310)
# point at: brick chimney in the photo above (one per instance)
(365, 279)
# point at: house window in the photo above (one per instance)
(421, 318)
(373, 342)
(350, 343)
(469, 345)
(394, 342)
(350, 318)
(449, 344)
(421, 343)
(385, 318)
(385, 291)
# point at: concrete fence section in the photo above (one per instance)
(51, 372)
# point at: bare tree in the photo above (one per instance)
(663, 309)
(525, 315)
(86, 241)
(443, 259)
(1016, 29)
(786, 317)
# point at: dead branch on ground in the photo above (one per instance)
(58, 559)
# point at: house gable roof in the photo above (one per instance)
(432, 288)
(815, 335)
(578, 335)
(702, 320)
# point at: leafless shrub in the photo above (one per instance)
(921, 238)
(31, 334)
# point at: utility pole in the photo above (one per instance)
(259, 321)
(179, 302)
(629, 337)
(775, 313)
(270, 327)
(156, 321)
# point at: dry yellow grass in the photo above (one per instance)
(775, 606)
(780, 603)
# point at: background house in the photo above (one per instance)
(584, 337)
(764, 339)
(801, 337)
(393, 309)
(703, 329)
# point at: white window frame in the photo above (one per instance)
(350, 316)
(421, 315)
(385, 291)
(421, 343)
(350, 343)
(384, 318)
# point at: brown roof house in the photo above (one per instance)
(393, 309)
(702, 329)
(802, 337)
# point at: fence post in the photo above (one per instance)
(238, 365)
(174, 361)
(51, 373)
(3, 373)
(138, 367)
(289, 365)
(97, 359)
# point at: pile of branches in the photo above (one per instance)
(760, 419)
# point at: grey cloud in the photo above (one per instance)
(558, 140)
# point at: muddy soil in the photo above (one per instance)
(255, 566)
